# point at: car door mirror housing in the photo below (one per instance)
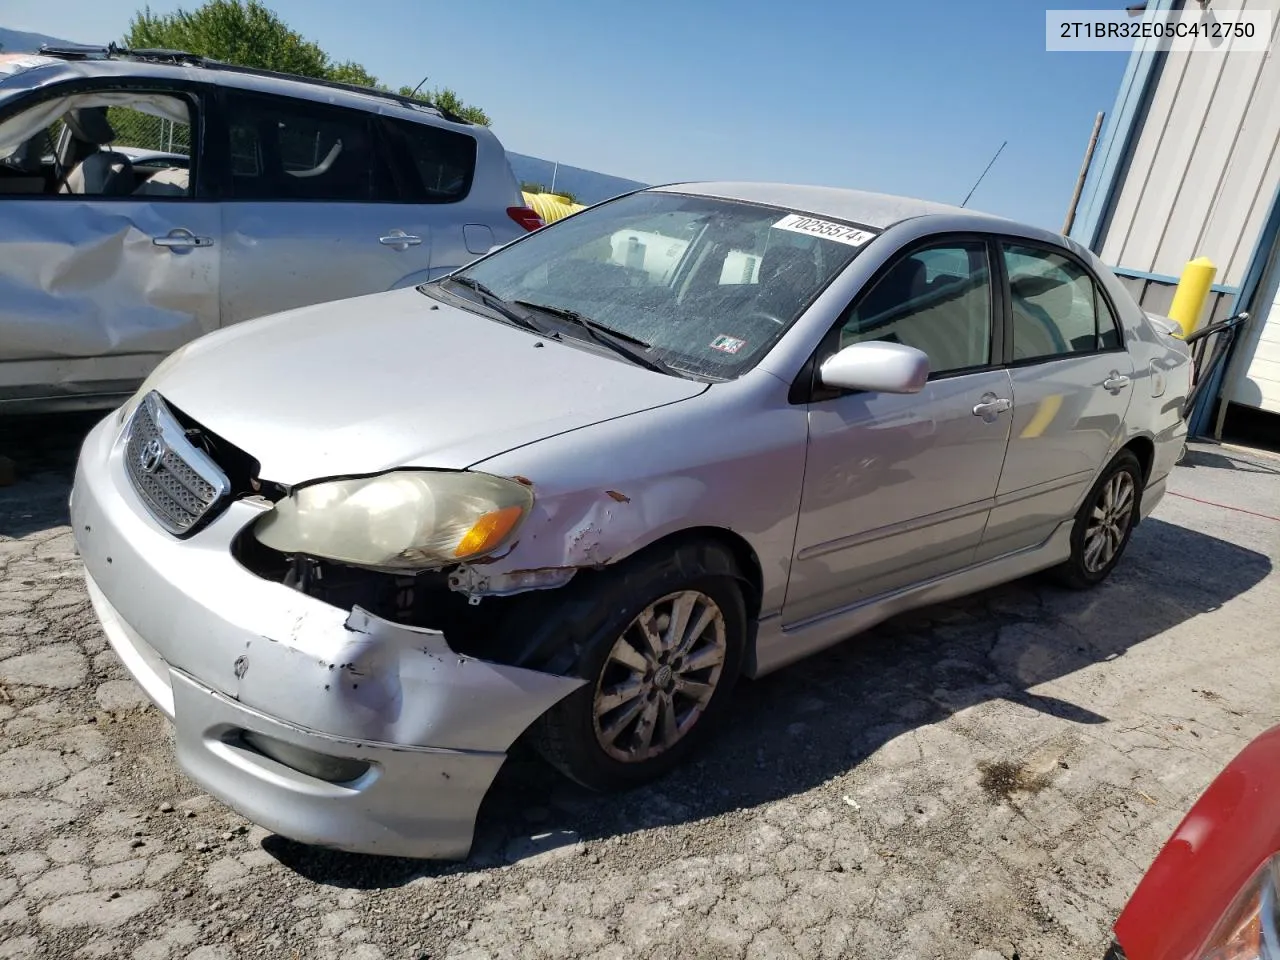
(876, 366)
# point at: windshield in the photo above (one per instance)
(703, 286)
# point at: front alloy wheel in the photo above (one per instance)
(660, 676)
(659, 639)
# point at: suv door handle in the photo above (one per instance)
(1116, 382)
(991, 406)
(399, 240)
(180, 238)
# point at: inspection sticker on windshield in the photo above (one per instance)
(839, 232)
(727, 344)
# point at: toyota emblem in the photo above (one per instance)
(150, 457)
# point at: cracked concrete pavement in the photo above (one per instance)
(977, 780)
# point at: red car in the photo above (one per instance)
(1211, 893)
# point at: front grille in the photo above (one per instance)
(177, 480)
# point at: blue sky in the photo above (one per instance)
(908, 98)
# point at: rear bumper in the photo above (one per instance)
(1170, 447)
(1152, 496)
(223, 652)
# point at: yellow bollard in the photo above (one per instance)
(1191, 294)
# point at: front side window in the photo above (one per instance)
(703, 285)
(1057, 310)
(937, 300)
(102, 144)
(285, 149)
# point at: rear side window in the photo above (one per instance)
(1108, 329)
(285, 149)
(1057, 309)
(440, 163)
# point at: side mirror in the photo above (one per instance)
(878, 367)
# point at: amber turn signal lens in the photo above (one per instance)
(487, 532)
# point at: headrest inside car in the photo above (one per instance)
(89, 124)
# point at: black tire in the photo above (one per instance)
(1079, 572)
(593, 617)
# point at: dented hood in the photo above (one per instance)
(396, 379)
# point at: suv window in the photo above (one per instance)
(286, 149)
(102, 143)
(937, 300)
(443, 162)
(1057, 309)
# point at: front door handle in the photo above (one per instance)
(399, 240)
(180, 238)
(1116, 382)
(991, 406)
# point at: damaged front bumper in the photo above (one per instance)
(330, 727)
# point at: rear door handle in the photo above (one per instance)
(1116, 382)
(991, 406)
(400, 240)
(180, 238)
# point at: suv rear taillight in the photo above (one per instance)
(527, 217)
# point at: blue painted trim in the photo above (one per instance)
(1165, 278)
(1106, 173)
(1198, 422)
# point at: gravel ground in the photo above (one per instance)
(983, 779)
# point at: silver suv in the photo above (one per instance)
(149, 197)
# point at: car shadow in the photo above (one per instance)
(1218, 460)
(819, 719)
(43, 450)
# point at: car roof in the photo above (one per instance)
(876, 210)
(51, 70)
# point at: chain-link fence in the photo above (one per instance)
(133, 128)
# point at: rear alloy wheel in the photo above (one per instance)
(1109, 522)
(659, 641)
(1104, 524)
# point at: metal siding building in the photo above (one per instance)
(1189, 166)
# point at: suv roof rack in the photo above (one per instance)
(182, 58)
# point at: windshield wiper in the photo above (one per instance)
(495, 302)
(631, 347)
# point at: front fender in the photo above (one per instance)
(725, 459)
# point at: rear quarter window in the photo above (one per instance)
(440, 164)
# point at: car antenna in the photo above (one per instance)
(984, 173)
(418, 87)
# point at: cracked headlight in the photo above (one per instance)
(405, 520)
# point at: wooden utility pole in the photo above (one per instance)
(1084, 172)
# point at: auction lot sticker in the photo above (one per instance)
(813, 227)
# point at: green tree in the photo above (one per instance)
(245, 33)
(446, 99)
(351, 72)
(248, 33)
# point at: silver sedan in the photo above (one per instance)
(578, 489)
